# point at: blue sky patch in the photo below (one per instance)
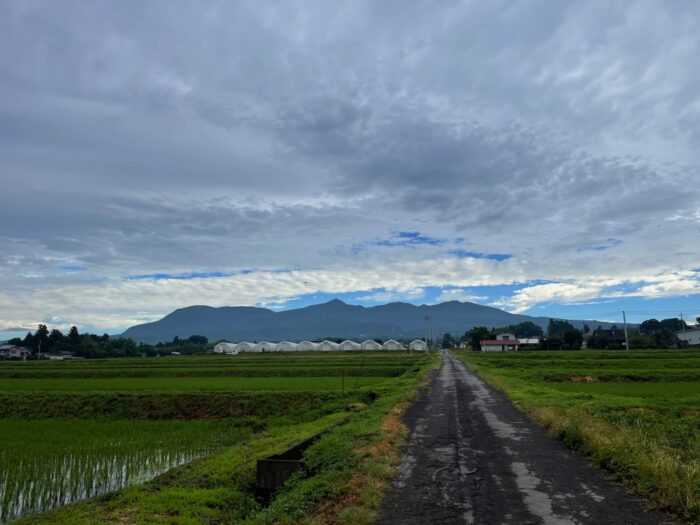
(71, 267)
(462, 254)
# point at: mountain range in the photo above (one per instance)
(332, 319)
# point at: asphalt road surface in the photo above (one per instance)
(472, 457)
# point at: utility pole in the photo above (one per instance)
(624, 323)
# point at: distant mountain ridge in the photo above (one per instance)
(332, 319)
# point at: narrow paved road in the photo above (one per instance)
(472, 457)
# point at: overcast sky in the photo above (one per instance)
(541, 157)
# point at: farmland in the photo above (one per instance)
(81, 429)
(637, 416)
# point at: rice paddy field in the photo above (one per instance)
(101, 429)
(636, 415)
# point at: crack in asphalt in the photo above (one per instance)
(473, 457)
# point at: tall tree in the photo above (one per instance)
(448, 341)
(41, 338)
(476, 335)
(556, 328)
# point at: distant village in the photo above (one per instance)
(560, 335)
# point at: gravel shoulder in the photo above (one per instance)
(473, 457)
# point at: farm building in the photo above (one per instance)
(506, 336)
(393, 345)
(14, 352)
(418, 344)
(349, 345)
(265, 346)
(244, 347)
(370, 345)
(692, 336)
(226, 348)
(306, 346)
(286, 346)
(499, 345)
(327, 346)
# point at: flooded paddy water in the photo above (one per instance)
(48, 463)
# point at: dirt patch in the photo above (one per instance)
(643, 410)
(393, 431)
(690, 412)
(585, 379)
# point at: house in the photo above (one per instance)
(14, 352)
(506, 336)
(528, 341)
(418, 344)
(500, 345)
(615, 336)
(691, 336)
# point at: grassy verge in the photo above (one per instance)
(354, 463)
(647, 435)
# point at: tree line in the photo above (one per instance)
(89, 345)
(562, 335)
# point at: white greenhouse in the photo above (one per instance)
(265, 346)
(305, 346)
(370, 345)
(327, 346)
(225, 348)
(418, 344)
(349, 345)
(286, 346)
(245, 347)
(393, 345)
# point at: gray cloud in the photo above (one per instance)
(138, 138)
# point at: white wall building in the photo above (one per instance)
(418, 344)
(305, 346)
(506, 336)
(692, 336)
(327, 346)
(349, 345)
(370, 345)
(393, 345)
(286, 346)
(499, 345)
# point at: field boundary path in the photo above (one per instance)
(473, 457)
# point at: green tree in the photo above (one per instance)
(557, 328)
(41, 338)
(448, 341)
(476, 335)
(586, 328)
(673, 325)
(573, 339)
(55, 340)
(649, 326)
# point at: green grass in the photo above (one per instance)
(185, 384)
(128, 425)
(637, 416)
(219, 488)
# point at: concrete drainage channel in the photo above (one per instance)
(273, 471)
